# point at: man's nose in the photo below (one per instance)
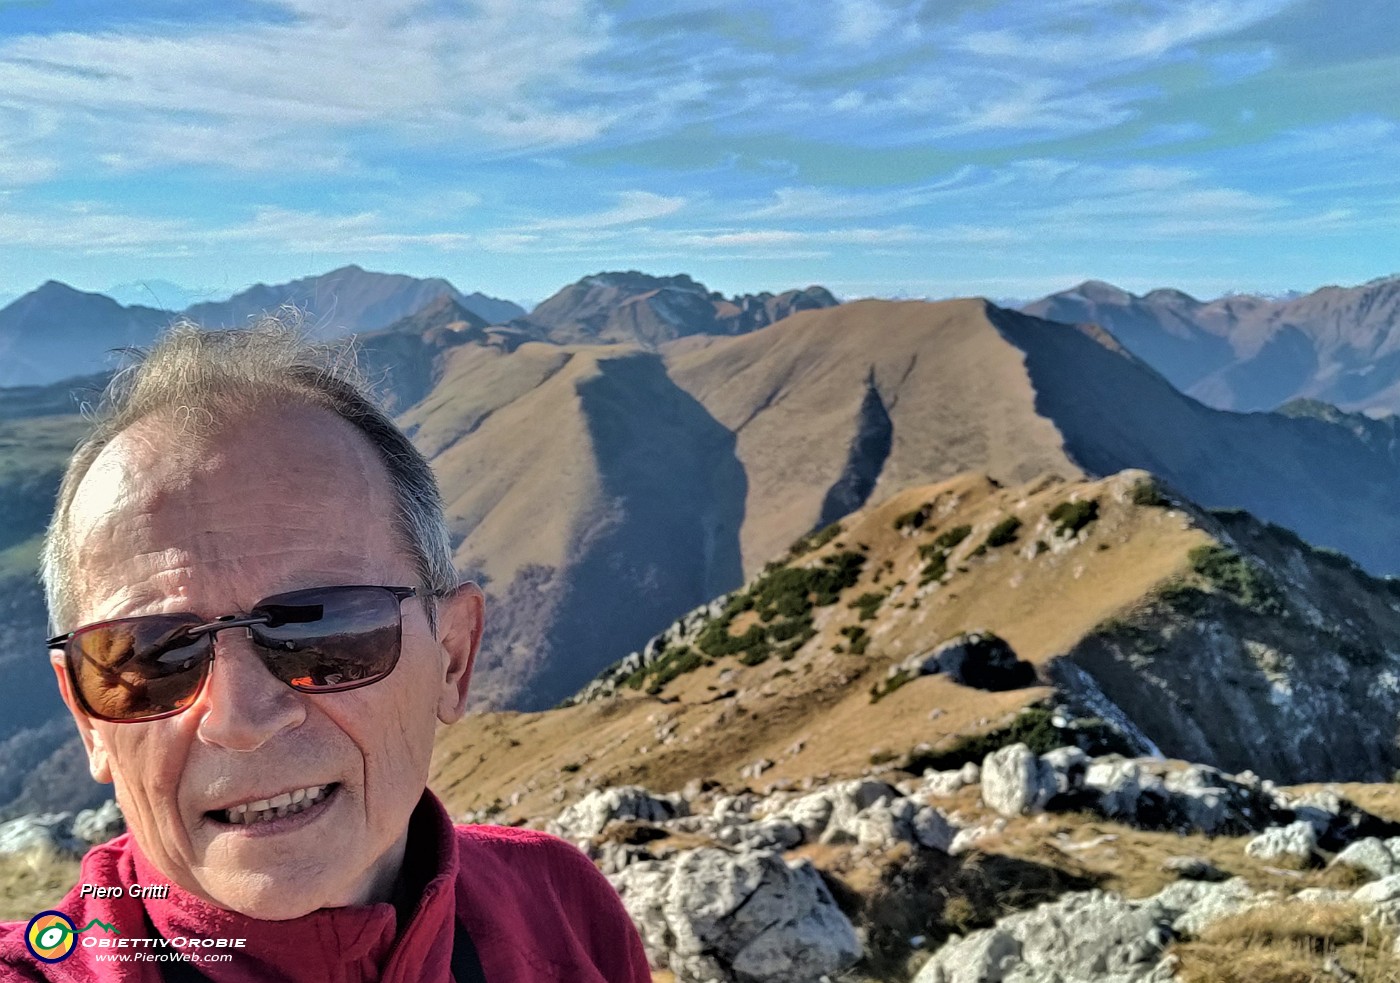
(243, 705)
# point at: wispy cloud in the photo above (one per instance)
(864, 22)
(631, 207)
(826, 203)
(503, 75)
(1087, 34)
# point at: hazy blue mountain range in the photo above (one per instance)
(161, 294)
(347, 300)
(1340, 345)
(55, 331)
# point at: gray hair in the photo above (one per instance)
(191, 372)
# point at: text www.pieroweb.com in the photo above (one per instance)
(163, 957)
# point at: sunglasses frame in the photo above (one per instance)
(211, 628)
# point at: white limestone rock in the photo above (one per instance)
(713, 915)
(1369, 855)
(48, 833)
(1015, 782)
(591, 814)
(1296, 842)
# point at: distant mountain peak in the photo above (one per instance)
(442, 312)
(345, 300)
(630, 306)
(636, 280)
(1169, 295)
(56, 288)
(1102, 291)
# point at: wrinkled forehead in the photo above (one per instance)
(264, 501)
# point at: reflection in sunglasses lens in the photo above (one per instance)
(317, 640)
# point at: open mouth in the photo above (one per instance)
(279, 806)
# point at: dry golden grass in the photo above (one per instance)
(727, 715)
(32, 883)
(1130, 861)
(958, 395)
(1294, 942)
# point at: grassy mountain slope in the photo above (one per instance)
(787, 428)
(1318, 478)
(593, 496)
(948, 393)
(1125, 600)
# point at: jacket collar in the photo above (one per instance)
(402, 940)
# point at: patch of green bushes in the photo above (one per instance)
(755, 656)
(815, 540)
(883, 689)
(949, 540)
(1070, 517)
(1147, 492)
(936, 553)
(934, 569)
(783, 598)
(786, 631)
(859, 638)
(676, 660)
(868, 603)
(1003, 533)
(913, 519)
(1181, 596)
(1237, 577)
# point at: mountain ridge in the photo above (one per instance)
(55, 331)
(629, 306)
(1245, 352)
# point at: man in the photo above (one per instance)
(259, 628)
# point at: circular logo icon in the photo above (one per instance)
(51, 936)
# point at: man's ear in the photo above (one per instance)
(461, 617)
(98, 763)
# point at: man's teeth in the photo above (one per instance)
(286, 804)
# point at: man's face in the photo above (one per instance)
(272, 502)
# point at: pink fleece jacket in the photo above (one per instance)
(535, 908)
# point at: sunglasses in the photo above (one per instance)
(319, 640)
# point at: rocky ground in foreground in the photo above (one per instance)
(1050, 868)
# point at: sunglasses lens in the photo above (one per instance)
(330, 638)
(144, 667)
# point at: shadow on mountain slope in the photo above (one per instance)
(666, 537)
(1114, 413)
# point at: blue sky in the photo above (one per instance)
(942, 148)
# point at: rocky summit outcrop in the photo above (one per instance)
(978, 659)
(732, 885)
(648, 310)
